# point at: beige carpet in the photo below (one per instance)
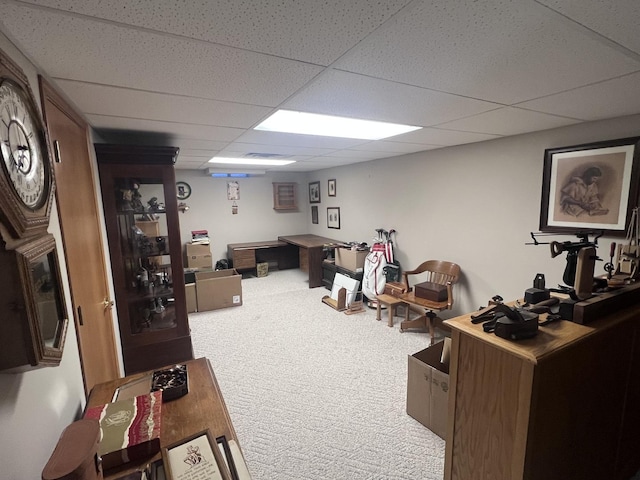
(314, 393)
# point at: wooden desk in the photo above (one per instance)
(311, 254)
(561, 405)
(246, 256)
(202, 408)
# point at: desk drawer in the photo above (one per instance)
(244, 258)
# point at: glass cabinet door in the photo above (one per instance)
(142, 226)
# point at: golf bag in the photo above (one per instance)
(373, 277)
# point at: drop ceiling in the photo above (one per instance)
(199, 75)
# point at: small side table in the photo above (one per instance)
(391, 303)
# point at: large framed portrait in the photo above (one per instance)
(590, 187)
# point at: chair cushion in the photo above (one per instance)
(431, 291)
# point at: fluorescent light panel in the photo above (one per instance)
(235, 172)
(290, 121)
(251, 161)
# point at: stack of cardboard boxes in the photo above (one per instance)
(208, 289)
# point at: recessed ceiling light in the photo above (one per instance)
(251, 161)
(289, 121)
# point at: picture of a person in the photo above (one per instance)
(580, 195)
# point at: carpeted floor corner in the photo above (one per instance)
(315, 394)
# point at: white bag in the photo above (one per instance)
(373, 277)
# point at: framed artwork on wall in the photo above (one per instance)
(183, 190)
(590, 187)
(332, 187)
(314, 214)
(233, 191)
(314, 192)
(333, 217)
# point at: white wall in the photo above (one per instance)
(36, 406)
(474, 205)
(256, 219)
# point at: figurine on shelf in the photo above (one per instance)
(154, 206)
(130, 198)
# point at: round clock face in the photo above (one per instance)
(20, 144)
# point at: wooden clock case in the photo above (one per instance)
(34, 319)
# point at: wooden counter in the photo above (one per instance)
(200, 409)
(311, 254)
(561, 405)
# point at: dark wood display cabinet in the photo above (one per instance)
(141, 209)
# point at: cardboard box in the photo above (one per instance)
(350, 259)
(130, 429)
(192, 299)
(218, 289)
(198, 256)
(428, 388)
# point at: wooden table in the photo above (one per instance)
(200, 409)
(311, 254)
(561, 405)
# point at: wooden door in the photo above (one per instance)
(82, 238)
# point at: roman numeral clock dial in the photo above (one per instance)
(26, 177)
(21, 153)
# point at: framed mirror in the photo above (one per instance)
(35, 313)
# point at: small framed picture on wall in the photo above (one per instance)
(314, 214)
(332, 187)
(333, 217)
(314, 192)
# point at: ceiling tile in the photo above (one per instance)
(307, 30)
(613, 98)
(497, 50)
(313, 141)
(394, 147)
(348, 94)
(173, 129)
(139, 59)
(124, 102)
(508, 121)
(443, 138)
(238, 149)
(616, 20)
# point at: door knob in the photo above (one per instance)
(107, 304)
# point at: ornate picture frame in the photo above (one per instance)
(590, 187)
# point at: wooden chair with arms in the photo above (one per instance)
(436, 271)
